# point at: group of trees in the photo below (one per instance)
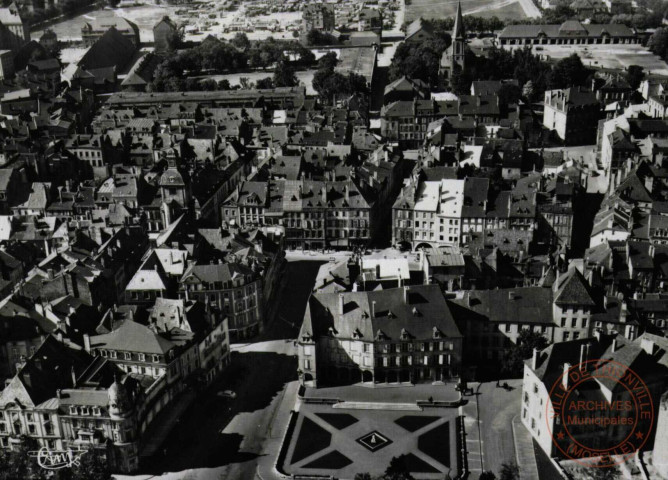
(21, 463)
(213, 55)
(317, 37)
(533, 74)
(658, 42)
(331, 84)
(420, 59)
(509, 471)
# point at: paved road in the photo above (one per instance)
(495, 408)
(530, 9)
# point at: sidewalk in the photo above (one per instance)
(526, 458)
(166, 420)
(266, 468)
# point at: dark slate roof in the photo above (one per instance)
(526, 305)
(573, 289)
(418, 309)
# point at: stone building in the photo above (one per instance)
(164, 33)
(399, 335)
(573, 114)
(64, 398)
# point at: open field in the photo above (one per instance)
(448, 8)
(305, 77)
(146, 16)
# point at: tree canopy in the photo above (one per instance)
(513, 361)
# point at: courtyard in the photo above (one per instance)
(344, 441)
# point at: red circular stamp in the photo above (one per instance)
(599, 412)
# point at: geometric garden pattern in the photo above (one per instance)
(326, 442)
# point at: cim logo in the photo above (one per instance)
(57, 459)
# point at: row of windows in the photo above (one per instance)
(113, 354)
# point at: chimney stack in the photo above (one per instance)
(406, 295)
(373, 309)
(614, 345)
(534, 359)
(564, 378)
(74, 377)
(584, 354)
(341, 303)
(86, 339)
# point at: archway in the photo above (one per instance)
(367, 376)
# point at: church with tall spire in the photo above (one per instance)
(453, 58)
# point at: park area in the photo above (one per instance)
(438, 9)
(342, 442)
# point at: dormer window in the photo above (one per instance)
(437, 333)
(142, 357)
(103, 353)
(73, 410)
(156, 358)
(112, 353)
(127, 356)
(84, 411)
(96, 411)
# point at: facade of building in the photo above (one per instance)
(318, 16)
(549, 366)
(65, 398)
(573, 114)
(164, 33)
(571, 32)
(399, 335)
(235, 289)
(14, 31)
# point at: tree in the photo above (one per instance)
(513, 361)
(316, 37)
(528, 90)
(264, 83)
(284, 75)
(240, 41)
(487, 475)
(634, 75)
(568, 71)
(509, 93)
(328, 61)
(224, 84)
(92, 466)
(658, 42)
(509, 471)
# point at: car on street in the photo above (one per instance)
(227, 394)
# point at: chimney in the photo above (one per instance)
(74, 377)
(584, 356)
(406, 295)
(614, 347)
(373, 309)
(534, 359)
(341, 303)
(58, 393)
(86, 339)
(564, 378)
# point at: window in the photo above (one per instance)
(156, 358)
(366, 347)
(142, 357)
(73, 410)
(112, 354)
(127, 356)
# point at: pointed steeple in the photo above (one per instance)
(458, 29)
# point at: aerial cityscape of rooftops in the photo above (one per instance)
(349, 239)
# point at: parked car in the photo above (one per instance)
(227, 394)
